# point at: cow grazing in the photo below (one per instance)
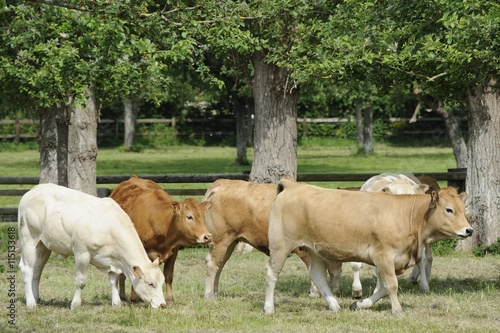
(380, 229)
(163, 225)
(239, 213)
(96, 231)
(396, 183)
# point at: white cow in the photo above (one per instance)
(96, 231)
(396, 183)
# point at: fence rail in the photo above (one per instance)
(454, 177)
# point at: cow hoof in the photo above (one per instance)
(358, 294)
(354, 306)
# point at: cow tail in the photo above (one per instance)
(280, 188)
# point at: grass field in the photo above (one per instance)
(464, 296)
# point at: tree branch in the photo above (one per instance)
(56, 3)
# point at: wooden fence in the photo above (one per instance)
(454, 177)
(112, 126)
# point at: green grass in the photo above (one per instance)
(464, 296)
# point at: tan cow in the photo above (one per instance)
(239, 213)
(163, 225)
(380, 229)
(396, 183)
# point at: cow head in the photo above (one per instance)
(148, 283)
(447, 215)
(404, 188)
(191, 221)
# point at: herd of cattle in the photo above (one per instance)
(389, 223)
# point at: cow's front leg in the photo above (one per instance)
(388, 285)
(121, 283)
(220, 252)
(357, 289)
(82, 261)
(115, 295)
(168, 272)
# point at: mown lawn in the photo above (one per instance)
(464, 297)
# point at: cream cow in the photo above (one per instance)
(96, 231)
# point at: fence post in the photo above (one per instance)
(304, 127)
(18, 131)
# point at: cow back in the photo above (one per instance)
(240, 210)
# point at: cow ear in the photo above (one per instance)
(423, 187)
(157, 261)
(176, 207)
(434, 199)
(137, 271)
(206, 205)
(463, 196)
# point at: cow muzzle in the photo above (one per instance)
(204, 239)
(464, 233)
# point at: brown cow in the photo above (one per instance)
(380, 229)
(239, 213)
(163, 225)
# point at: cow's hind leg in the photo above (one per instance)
(33, 260)
(318, 276)
(216, 259)
(82, 260)
(168, 273)
(273, 268)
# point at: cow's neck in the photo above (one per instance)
(418, 223)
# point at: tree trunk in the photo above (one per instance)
(47, 146)
(483, 171)
(368, 129)
(131, 110)
(53, 145)
(240, 111)
(452, 124)
(83, 146)
(275, 139)
(359, 124)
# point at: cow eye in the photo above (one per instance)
(150, 284)
(449, 210)
(190, 217)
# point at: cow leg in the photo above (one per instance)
(425, 268)
(115, 295)
(335, 271)
(121, 281)
(388, 286)
(357, 289)
(273, 268)
(415, 273)
(168, 272)
(215, 261)
(82, 262)
(318, 276)
(33, 259)
(313, 291)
